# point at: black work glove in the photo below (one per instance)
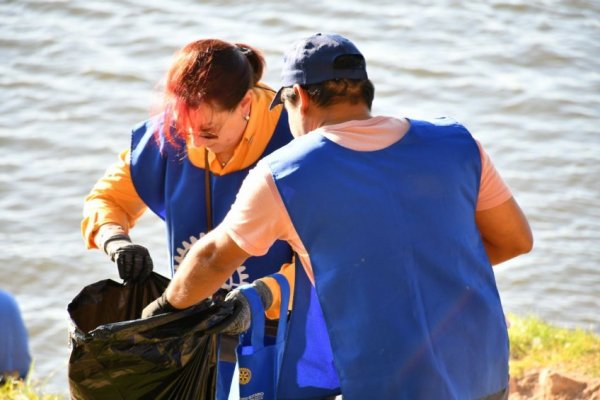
(158, 306)
(133, 261)
(243, 317)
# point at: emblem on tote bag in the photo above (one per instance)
(259, 353)
(245, 376)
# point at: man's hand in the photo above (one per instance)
(242, 320)
(158, 306)
(133, 261)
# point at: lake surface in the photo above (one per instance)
(75, 76)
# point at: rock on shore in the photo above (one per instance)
(548, 384)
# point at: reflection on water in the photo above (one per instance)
(75, 76)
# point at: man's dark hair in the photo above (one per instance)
(337, 91)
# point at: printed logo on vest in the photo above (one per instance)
(184, 249)
(255, 396)
(239, 277)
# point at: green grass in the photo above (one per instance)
(16, 389)
(534, 344)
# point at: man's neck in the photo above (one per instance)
(339, 113)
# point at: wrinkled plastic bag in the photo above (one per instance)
(115, 355)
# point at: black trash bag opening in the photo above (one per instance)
(107, 301)
(117, 356)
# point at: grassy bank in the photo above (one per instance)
(25, 390)
(534, 345)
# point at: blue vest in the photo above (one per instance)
(14, 340)
(174, 189)
(408, 295)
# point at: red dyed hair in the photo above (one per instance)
(211, 71)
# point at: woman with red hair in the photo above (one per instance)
(187, 162)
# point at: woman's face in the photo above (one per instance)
(219, 131)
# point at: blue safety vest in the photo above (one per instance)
(174, 189)
(407, 293)
(14, 341)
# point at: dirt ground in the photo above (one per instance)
(548, 384)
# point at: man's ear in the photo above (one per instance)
(303, 98)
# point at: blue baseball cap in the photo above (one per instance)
(311, 60)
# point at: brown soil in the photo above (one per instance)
(548, 384)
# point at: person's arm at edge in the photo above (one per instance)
(505, 231)
(503, 226)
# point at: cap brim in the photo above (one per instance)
(276, 100)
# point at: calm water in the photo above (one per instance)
(524, 76)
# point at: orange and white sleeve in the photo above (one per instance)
(256, 220)
(112, 200)
(493, 191)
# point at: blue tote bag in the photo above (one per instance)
(259, 356)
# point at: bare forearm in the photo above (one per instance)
(498, 255)
(209, 263)
(505, 231)
(196, 279)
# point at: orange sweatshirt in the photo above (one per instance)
(114, 200)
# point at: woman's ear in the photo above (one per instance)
(246, 103)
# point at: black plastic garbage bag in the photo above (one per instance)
(114, 355)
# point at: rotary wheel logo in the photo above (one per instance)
(184, 249)
(245, 376)
(239, 277)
